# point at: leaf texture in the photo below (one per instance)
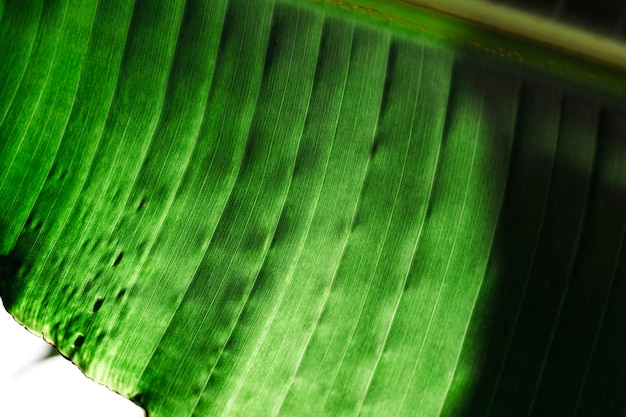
(278, 208)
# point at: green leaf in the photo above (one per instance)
(286, 208)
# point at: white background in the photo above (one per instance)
(31, 385)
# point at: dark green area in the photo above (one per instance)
(9, 269)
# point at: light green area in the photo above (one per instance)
(503, 34)
(548, 33)
(273, 208)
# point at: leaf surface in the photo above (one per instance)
(283, 208)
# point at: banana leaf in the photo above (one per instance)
(277, 207)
